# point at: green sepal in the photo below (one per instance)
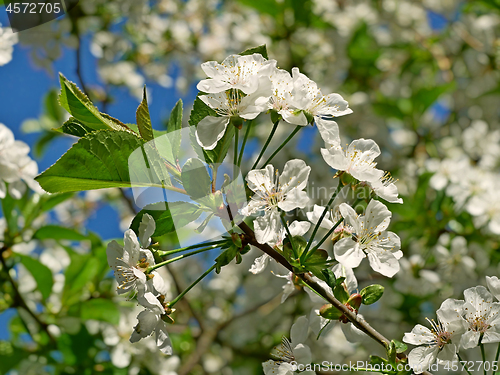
(329, 311)
(262, 49)
(341, 294)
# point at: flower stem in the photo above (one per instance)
(496, 358)
(203, 244)
(295, 254)
(168, 261)
(483, 355)
(295, 131)
(271, 135)
(461, 360)
(304, 256)
(235, 156)
(174, 301)
(247, 133)
(313, 250)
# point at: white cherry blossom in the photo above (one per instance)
(441, 342)
(293, 351)
(236, 72)
(322, 108)
(493, 284)
(274, 192)
(15, 166)
(282, 100)
(7, 41)
(150, 321)
(371, 238)
(482, 316)
(358, 161)
(230, 104)
(130, 262)
(297, 228)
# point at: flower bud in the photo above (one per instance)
(355, 301)
(328, 311)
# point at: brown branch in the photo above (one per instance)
(307, 278)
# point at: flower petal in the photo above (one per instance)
(210, 130)
(422, 357)
(419, 335)
(348, 252)
(298, 332)
(294, 175)
(329, 130)
(146, 229)
(383, 262)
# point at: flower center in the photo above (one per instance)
(479, 324)
(441, 336)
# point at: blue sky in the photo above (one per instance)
(23, 86)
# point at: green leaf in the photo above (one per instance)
(143, 119)
(400, 347)
(43, 142)
(317, 263)
(74, 127)
(80, 272)
(40, 272)
(52, 107)
(425, 97)
(50, 201)
(379, 361)
(391, 352)
(81, 108)
(98, 160)
(11, 355)
(56, 232)
(262, 49)
(271, 7)
(299, 245)
(9, 212)
(226, 257)
(195, 179)
(174, 124)
(372, 294)
(330, 278)
(164, 213)
(100, 309)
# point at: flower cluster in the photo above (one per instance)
(461, 324)
(131, 264)
(7, 41)
(244, 86)
(469, 175)
(16, 165)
